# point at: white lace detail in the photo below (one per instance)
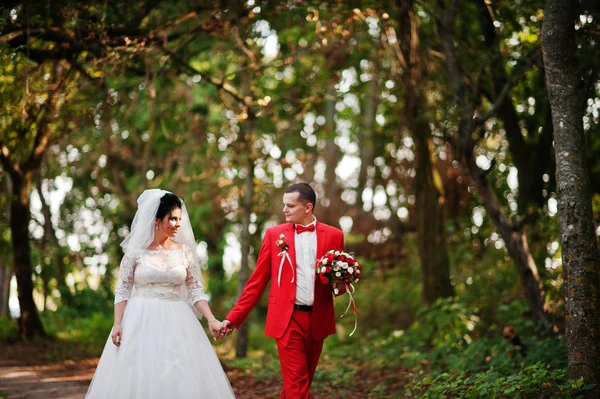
(165, 292)
(160, 274)
(193, 279)
(125, 282)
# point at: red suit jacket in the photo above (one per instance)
(281, 298)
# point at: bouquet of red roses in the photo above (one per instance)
(337, 266)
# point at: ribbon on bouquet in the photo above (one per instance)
(351, 304)
(284, 255)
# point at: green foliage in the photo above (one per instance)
(85, 317)
(9, 330)
(535, 381)
(86, 301)
(92, 329)
(446, 323)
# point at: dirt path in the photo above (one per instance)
(70, 380)
(36, 372)
(40, 372)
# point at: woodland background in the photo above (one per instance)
(428, 129)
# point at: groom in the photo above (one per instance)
(300, 314)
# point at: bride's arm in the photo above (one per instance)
(122, 293)
(196, 290)
(117, 331)
(119, 309)
(204, 309)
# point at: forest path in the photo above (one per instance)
(40, 372)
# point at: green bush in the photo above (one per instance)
(537, 381)
(93, 329)
(9, 330)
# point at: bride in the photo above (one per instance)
(157, 347)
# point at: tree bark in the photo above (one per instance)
(5, 276)
(431, 223)
(579, 246)
(30, 324)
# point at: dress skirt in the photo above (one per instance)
(164, 353)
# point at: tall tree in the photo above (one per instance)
(429, 206)
(40, 126)
(470, 131)
(580, 254)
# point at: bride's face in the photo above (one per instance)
(169, 225)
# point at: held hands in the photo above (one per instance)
(220, 330)
(227, 328)
(215, 328)
(116, 335)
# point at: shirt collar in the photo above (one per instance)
(313, 222)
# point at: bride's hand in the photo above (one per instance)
(215, 328)
(116, 335)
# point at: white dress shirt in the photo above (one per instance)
(306, 257)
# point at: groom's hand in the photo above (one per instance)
(339, 285)
(227, 327)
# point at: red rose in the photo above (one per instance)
(328, 269)
(324, 279)
(350, 261)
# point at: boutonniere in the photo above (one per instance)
(282, 243)
(283, 254)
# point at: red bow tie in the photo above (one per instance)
(301, 229)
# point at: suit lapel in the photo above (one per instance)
(290, 237)
(320, 241)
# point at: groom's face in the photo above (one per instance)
(295, 211)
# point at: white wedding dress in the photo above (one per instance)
(164, 351)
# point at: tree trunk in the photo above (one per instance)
(579, 247)
(332, 192)
(367, 145)
(431, 223)
(30, 324)
(241, 348)
(429, 207)
(21, 176)
(5, 276)
(242, 337)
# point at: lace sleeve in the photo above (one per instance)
(125, 282)
(193, 280)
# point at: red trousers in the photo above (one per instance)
(299, 354)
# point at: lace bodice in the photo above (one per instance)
(160, 274)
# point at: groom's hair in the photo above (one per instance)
(306, 194)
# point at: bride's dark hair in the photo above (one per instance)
(168, 202)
